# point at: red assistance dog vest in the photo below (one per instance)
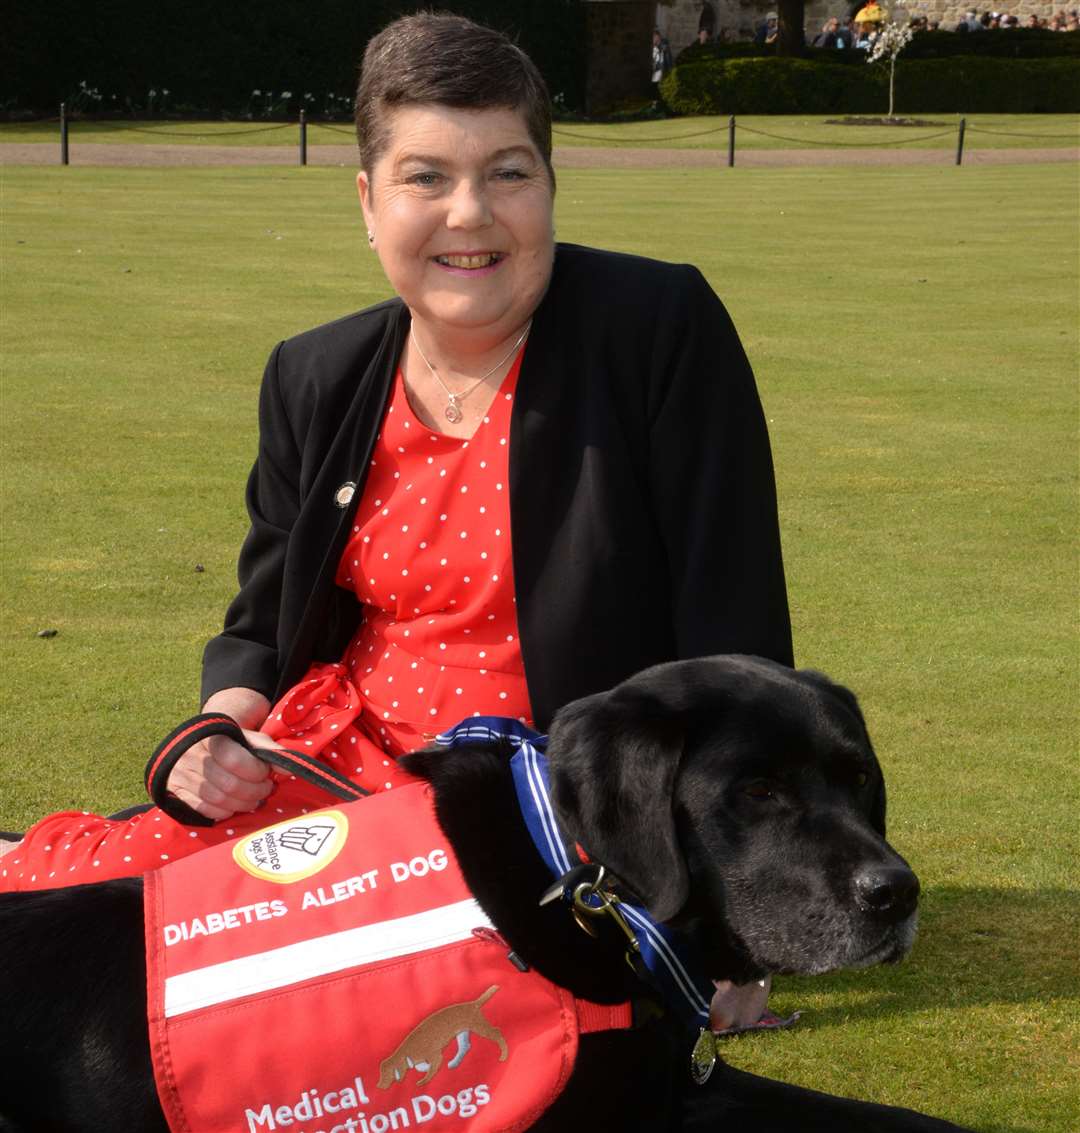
(333, 974)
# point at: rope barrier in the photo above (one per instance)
(892, 142)
(635, 141)
(1015, 134)
(121, 128)
(731, 127)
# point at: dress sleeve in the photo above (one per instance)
(713, 487)
(245, 653)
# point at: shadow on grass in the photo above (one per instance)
(976, 948)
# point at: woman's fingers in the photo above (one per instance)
(219, 778)
(237, 764)
(203, 807)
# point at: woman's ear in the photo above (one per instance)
(363, 189)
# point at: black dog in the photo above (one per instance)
(739, 801)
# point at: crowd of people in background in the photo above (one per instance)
(981, 21)
(841, 34)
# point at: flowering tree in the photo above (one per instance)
(890, 41)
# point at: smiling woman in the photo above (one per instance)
(533, 472)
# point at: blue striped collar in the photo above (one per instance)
(669, 959)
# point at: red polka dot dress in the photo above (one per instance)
(429, 557)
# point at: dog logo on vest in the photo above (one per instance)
(293, 850)
(422, 1047)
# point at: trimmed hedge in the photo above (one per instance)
(964, 84)
(998, 43)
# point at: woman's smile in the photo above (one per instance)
(470, 263)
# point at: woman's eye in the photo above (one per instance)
(424, 180)
(509, 175)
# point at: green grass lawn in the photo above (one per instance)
(984, 131)
(914, 334)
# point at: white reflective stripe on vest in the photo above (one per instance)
(323, 955)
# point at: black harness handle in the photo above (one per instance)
(208, 724)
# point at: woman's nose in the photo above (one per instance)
(469, 207)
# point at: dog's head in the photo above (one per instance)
(743, 801)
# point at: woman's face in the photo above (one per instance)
(460, 204)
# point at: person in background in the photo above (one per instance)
(661, 60)
(833, 35)
(768, 31)
(532, 471)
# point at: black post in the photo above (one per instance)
(731, 141)
(303, 138)
(960, 141)
(63, 134)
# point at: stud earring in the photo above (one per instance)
(370, 236)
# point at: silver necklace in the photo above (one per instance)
(453, 412)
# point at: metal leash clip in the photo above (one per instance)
(589, 900)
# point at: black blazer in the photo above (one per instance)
(642, 499)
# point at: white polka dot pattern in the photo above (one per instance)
(429, 556)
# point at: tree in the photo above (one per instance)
(890, 41)
(791, 15)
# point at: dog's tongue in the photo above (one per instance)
(735, 1005)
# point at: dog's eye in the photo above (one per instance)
(758, 790)
(861, 779)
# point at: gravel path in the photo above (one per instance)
(107, 153)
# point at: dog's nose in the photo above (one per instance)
(890, 892)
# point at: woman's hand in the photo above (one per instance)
(217, 777)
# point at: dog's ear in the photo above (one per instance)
(850, 702)
(613, 759)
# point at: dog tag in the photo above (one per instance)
(703, 1057)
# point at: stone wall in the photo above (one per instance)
(739, 18)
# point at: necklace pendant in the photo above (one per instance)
(452, 412)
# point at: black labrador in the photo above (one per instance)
(739, 801)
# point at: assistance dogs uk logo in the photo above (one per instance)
(293, 850)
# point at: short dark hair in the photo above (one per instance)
(441, 59)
